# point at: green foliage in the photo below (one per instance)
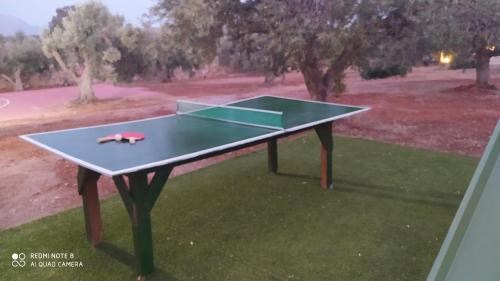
(192, 26)
(152, 52)
(57, 20)
(320, 38)
(464, 26)
(80, 40)
(132, 44)
(21, 54)
(393, 38)
(470, 29)
(382, 71)
(463, 61)
(247, 46)
(171, 54)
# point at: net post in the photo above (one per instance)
(233, 114)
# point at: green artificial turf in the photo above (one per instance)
(385, 220)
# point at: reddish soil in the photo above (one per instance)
(430, 108)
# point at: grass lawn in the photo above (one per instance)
(385, 220)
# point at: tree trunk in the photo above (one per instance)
(18, 86)
(169, 74)
(84, 81)
(313, 76)
(283, 78)
(8, 79)
(320, 84)
(85, 84)
(482, 70)
(269, 79)
(334, 77)
(314, 84)
(64, 67)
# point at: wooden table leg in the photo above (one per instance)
(272, 155)
(139, 198)
(324, 132)
(87, 187)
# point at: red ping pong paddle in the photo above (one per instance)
(131, 137)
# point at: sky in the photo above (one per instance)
(40, 12)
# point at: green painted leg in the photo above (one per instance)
(139, 199)
(87, 188)
(272, 155)
(141, 224)
(324, 132)
(143, 242)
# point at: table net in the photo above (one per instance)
(232, 114)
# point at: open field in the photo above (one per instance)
(385, 220)
(427, 109)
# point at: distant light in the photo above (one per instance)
(490, 48)
(445, 58)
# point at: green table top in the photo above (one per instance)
(174, 138)
(471, 250)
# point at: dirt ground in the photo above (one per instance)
(431, 108)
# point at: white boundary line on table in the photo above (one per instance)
(311, 101)
(185, 156)
(102, 125)
(110, 173)
(7, 102)
(296, 128)
(67, 156)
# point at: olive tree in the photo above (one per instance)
(320, 38)
(188, 34)
(80, 40)
(153, 52)
(136, 48)
(21, 57)
(470, 29)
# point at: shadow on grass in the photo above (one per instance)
(436, 198)
(448, 200)
(298, 176)
(129, 260)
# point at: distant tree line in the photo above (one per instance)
(323, 38)
(86, 42)
(319, 38)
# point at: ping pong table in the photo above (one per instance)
(197, 131)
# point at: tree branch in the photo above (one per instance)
(338, 67)
(8, 79)
(63, 65)
(107, 40)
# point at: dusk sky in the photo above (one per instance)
(39, 13)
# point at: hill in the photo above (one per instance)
(9, 25)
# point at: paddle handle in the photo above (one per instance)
(116, 137)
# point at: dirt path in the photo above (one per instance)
(427, 109)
